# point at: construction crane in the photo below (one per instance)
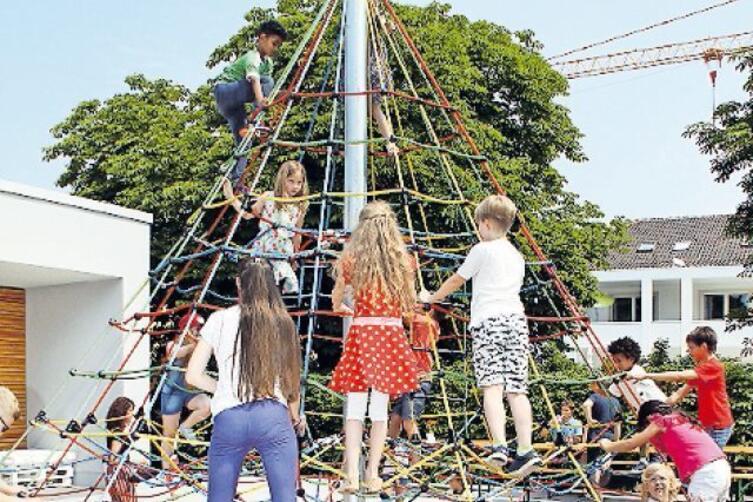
(709, 49)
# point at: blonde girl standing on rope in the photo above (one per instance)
(278, 218)
(377, 362)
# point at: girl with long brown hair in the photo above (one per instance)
(119, 422)
(377, 362)
(256, 394)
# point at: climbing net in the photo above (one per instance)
(432, 183)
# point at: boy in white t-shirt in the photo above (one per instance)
(499, 329)
(626, 353)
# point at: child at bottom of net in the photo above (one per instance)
(408, 407)
(127, 474)
(659, 484)
(377, 362)
(175, 395)
(699, 461)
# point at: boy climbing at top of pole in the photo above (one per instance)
(248, 79)
(499, 329)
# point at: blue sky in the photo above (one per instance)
(56, 54)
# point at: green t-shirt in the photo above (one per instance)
(249, 65)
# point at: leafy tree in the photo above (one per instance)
(729, 142)
(158, 147)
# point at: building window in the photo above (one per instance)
(626, 309)
(719, 306)
(713, 307)
(738, 305)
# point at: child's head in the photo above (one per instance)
(701, 343)
(625, 353)
(658, 482)
(566, 409)
(9, 409)
(120, 414)
(494, 216)
(196, 323)
(378, 255)
(269, 38)
(267, 344)
(596, 388)
(291, 181)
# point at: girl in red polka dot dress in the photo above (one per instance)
(377, 361)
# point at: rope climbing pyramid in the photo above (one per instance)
(422, 161)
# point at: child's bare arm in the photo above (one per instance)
(630, 443)
(587, 411)
(259, 204)
(256, 88)
(338, 293)
(447, 288)
(196, 371)
(297, 236)
(672, 376)
(679, 394)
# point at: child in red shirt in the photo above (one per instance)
(708, 379)
(408, 408)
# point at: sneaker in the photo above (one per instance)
(187, 433)
(638, 468)
(499, 456)
(522, 465)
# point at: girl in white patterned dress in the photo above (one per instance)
(278, 218)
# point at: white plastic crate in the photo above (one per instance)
(29, 467)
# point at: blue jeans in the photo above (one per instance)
(720, 436)
(231, 99)
(262, 425)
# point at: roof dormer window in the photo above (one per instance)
(646, 247)
(681, 246)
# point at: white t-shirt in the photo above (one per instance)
(219, 332)
(497, 270)
(643, 390)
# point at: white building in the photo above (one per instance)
(676, 274)
(67, 266)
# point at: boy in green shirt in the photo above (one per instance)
(248, 80)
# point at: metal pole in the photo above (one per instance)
(356, 114)
(356, 117)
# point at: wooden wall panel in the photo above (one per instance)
(13, 355)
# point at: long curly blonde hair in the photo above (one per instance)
(673, 484)
(377, 257)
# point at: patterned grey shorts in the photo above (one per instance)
(500, 352)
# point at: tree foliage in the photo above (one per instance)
(158, 146)
(729, 142)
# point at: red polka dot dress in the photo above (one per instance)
(377, 354)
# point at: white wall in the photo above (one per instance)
(66, 329)
(81, 263)
(668, 300)
(687, 297)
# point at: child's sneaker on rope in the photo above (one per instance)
(638, 468)
(187, 433)
(500, 456)
(522, 465)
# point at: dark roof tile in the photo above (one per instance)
(709, 244)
